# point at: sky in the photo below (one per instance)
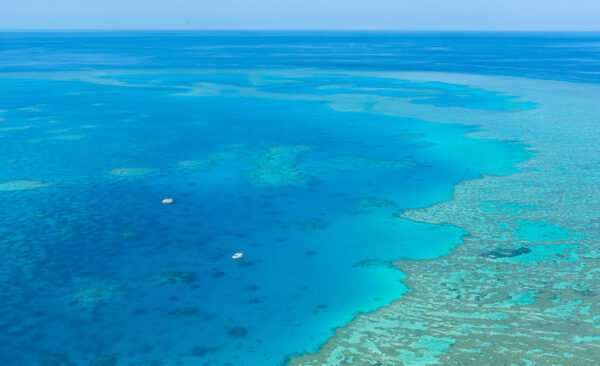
(302, 14)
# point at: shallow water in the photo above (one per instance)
(271, 163)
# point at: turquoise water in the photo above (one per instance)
(96, 270)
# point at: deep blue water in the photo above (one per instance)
(95, 270)
(573, 56)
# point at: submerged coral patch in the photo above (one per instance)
(97, 294)
(237, 332)
(314, 224)
(15, 128)
(280, 167)
(508, 208)
(540, 231)
(192, 312)
(104, 360)
(202, 351)
(367, 263)
(209, 161)
(130, 172)
(425, 350)
(408, 136)
(506, 252)
(424, 144)
(535, 254)
(175, 277)
(21, 185)
(376, 203)
(357, 162)
(56, 138)
(54, 359)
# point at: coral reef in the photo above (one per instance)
(522, 287)
(280, 167)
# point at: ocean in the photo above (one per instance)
(270, 144)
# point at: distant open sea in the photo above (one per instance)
(571, 56)
(270, 144)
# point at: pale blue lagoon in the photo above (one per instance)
(274, 145)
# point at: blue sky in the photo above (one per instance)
(302, 14)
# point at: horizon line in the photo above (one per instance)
(290, 30)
